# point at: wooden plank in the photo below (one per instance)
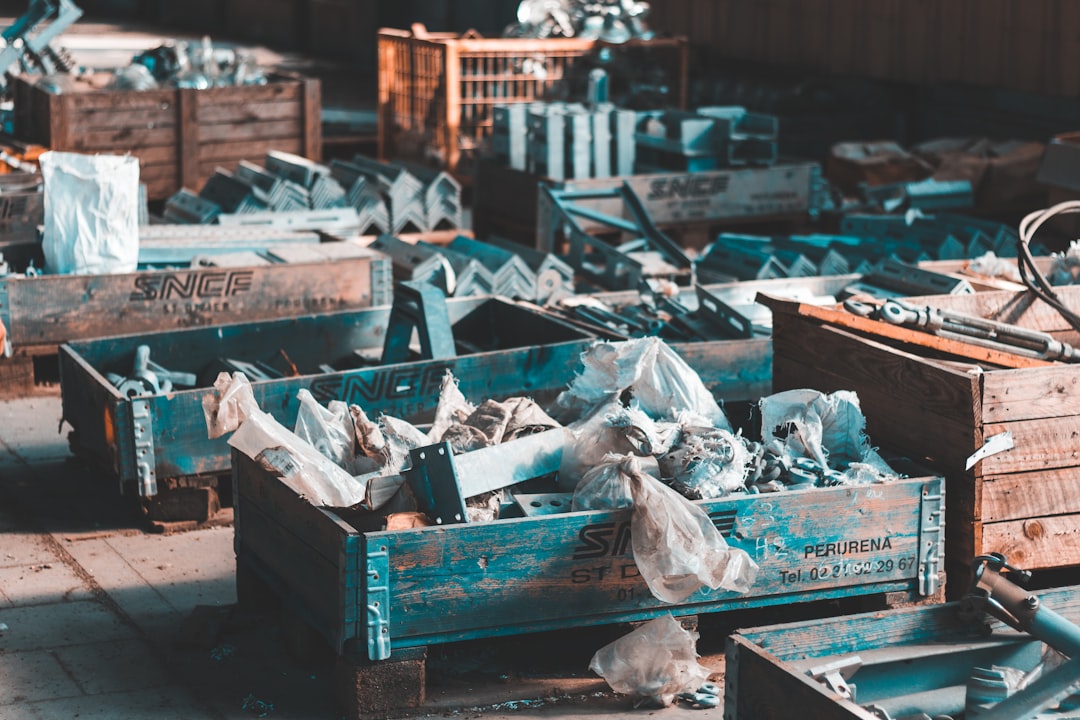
(110, 119)
(89, 404)
(471, 577)
(1032, 393)
(122, 139)
(1035, 543)
(269, 130)
(248, 112)
(939, 443)
(985, 54)
(1015, 496)
(913, 338)
(951, 39)
(161, 188)
(60, 308)
(1023, 54)
(58, 123)
(942, 391)
(251, 149)
(758, 687)
(1040, 444)
(114, 100)
(16, 377)
(312, 104)
(274, 91)
(187, 111)
(737, 370)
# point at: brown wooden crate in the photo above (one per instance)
(178, 128)
(1035, 543)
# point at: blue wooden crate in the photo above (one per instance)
(147, 438)
(924, 650)
(376, 592)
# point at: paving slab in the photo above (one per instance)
(112, 666)
(33, 675)
(154, 704)
(42, 582)
(59, 624)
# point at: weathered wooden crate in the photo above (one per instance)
(926, 650)
(44, 311)
(1023, 502)
(436, 90)
(509, 202)
(179, 135)
(506, 348)
(377, 593)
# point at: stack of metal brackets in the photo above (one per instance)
(362, 195)
(468, 275)
(511, 276)
(231, 194)
(279, 194)
(442, 196)
(554, 278)
(403, 193)
(414, 262)
(564, 141)
(187, 208)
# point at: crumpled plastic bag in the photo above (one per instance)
(330, 430)
(1065, 266)
(659, 381)
(401, 437)
(828, 429)
(658, 660)
(91, 213)
(608, 429)
(706, 463)
(232, 407)
(990, 265)
(676, 547)
(452, 408)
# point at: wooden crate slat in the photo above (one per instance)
(109, 118)
(1041, 444)
(1014, 496)
(1012, 395)
(248, 112)
(120, 139)
(251, 131)
(1035, 543)
(271, 92)
(120, 100)
(235, 151)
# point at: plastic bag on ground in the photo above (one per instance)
(658, 660)
(330, 430)
(659, 381)
(91, 213)
(829, 429)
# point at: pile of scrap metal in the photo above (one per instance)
(633, 402)
(612, 21)
(365, 195)
(864, 241)
(467, 267)
(564, 141)
(27, 43)
(189, 65)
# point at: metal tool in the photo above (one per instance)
(994, 594)
(149, 378)
(27, 42)
(978, 331)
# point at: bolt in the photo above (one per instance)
(1031, 602)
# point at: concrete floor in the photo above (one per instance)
(93, 610)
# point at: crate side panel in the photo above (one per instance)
(1035, 543)
(471, 577)
(1031, 393)
(56, 309)
(945, 445)
(758, 686)
(1016, 496)
(926, 387)
(1041, 444)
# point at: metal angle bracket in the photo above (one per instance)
(377, 602)
(143, 436)
(931, 532)
(715, 311)
(421, 306)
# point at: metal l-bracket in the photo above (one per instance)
(931, 532)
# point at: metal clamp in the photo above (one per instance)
(377, 602)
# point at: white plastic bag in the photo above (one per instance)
(659, 381)
(91, 213)
(658, 660)
(829, 429)
(329, 430)
(677, 548)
